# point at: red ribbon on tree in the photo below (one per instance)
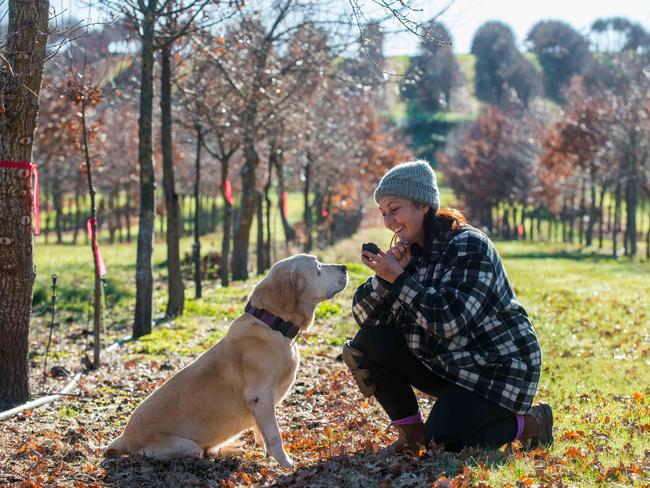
(34, 170)
(227, 191)
(101, 267)
(285, 202)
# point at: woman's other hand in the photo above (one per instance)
(402, 252)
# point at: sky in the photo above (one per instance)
(464, 17)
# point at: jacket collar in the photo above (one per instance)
(286, 328)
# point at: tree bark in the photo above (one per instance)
(175, 287)
(20, 85)
(144, 272)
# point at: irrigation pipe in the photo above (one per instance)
(50, 398)
(41, 401)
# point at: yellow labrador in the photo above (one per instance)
(236, 384)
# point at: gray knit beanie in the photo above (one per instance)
(414, 181)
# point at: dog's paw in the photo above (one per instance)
(284, 460)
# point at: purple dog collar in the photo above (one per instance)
(285, 327)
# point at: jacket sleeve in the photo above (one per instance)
(372, 301)
(465, 294)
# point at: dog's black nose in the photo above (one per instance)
(343, 267)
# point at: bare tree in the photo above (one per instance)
(20, 83)
(145, 19)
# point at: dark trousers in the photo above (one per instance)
(459, 418)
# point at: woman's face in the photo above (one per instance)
(404, 217)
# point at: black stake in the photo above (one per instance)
(49, 340)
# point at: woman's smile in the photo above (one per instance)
(403, 217)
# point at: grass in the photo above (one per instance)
(591, 313)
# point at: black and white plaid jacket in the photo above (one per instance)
(459, 316)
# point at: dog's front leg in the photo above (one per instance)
(259, 442)
(260, 402)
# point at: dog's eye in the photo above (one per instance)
(318, 269)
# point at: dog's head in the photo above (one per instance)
(297, 284)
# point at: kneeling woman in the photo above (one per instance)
(440, 316)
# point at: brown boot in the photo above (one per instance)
(538, 427)
(409, 438)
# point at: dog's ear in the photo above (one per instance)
(280, 289)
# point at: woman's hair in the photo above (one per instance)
(442, 224)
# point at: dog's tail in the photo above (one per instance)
(117, 447)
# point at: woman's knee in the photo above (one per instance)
(376, 343)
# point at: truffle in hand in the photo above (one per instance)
(370, 247)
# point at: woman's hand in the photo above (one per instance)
(402, 252)
(385, 264)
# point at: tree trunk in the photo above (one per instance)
(120, 211)
(77, 208)
(582, 211)
(572, 220)
(144, 272)
(175, 287)
(647, 238)
(617, 217)
(260, 233)
(592, 207)
(97, 306)
(19, 90)
(227, 227)
(631, 200)
(127, 213)
(196, 247)
(308, 212)
(247, 206)
(289, 232)
(48, 211)
(601, 217)
(267, 201)
(112, 227)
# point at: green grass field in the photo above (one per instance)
(591, 313)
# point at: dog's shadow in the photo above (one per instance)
(140, 471)
(354, 469)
